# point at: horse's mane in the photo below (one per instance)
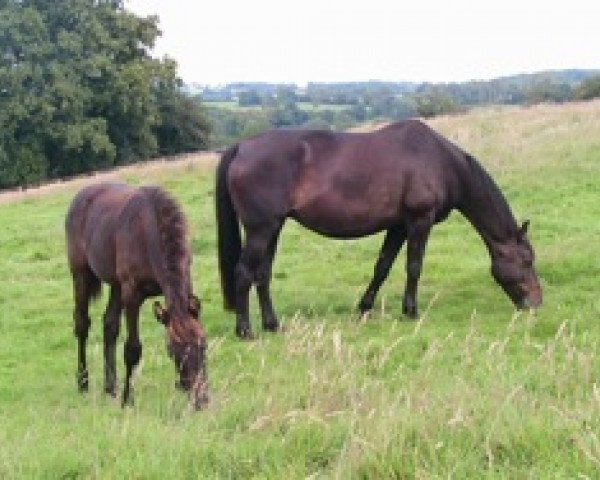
(172, 229)
(486, 192)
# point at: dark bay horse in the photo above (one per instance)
(403, 178)
(135, 240)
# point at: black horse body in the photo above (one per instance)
(403, 178)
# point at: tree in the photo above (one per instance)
(548, 91)
(80, 90)
(183, 127)
(249, 98)
(588, 89)
(434, 102)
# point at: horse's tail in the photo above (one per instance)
(228, 230)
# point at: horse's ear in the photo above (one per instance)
(195, 306)
(160, 313)
(524, 228)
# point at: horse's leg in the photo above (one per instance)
(112, 322)
(133, 348)
(263, 283)
(252, 256)
(389, 250)
(85, 286)
(243, 282)
(418, 233)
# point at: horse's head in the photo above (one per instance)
(186, 344)
(513, 268)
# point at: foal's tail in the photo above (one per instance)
(228, 230)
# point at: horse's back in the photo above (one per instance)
(91, 223)
(345, 184)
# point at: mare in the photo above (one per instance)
(403, 179)
(135, 240)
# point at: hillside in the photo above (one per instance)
(471, 390)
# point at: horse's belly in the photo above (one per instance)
(347, 213)
(343, 222)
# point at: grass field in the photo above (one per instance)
(471, 390)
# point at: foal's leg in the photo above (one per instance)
(112, 322)
(418, 233)
(133, 349)
(85, 286)
(263, 283)
(251, 258)
(392, 244)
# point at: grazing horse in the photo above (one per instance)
(135, 240)
(403, 178)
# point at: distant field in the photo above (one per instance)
(229, 106)
(471, 390)
(301, 105)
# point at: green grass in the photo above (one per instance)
(472, 390)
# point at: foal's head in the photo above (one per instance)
(513, 268)
(186, 344)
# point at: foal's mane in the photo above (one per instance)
(172, 232)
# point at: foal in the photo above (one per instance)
(135, 240)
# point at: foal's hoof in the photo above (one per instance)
(83, 381)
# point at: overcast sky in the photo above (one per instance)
(221, 41)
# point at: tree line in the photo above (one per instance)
(340, 105)
(79, 91)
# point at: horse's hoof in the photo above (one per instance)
(271, 327)
(364, 308)
(244, 333)
(111, 391)
(411, 311)
(83, 381)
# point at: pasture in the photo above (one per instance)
(471, 390)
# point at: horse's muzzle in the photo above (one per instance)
(531, 301)
(199, 395)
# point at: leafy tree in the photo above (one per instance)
(548, 91)
(183, 125)
(434, 102)
(588, 89)
(81, 92)
(288, 115)
(249, 98)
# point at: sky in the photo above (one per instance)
(222, 41)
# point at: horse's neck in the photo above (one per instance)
(170, 251)
(486, 208)
(173, 276)
(177, 294)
